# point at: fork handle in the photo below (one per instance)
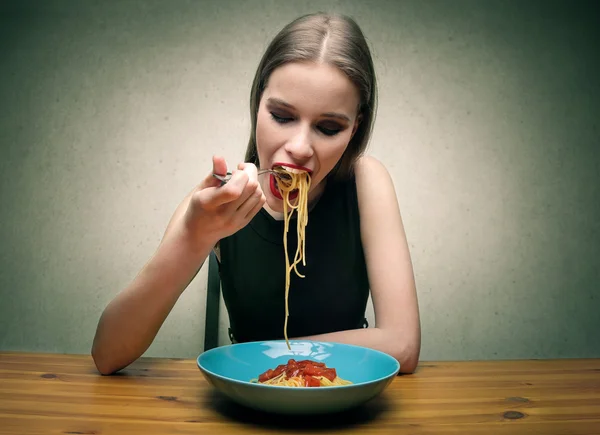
(225, 178)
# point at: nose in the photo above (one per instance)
(300, 146)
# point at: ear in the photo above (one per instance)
(357, 122)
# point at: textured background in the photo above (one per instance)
(488, 123)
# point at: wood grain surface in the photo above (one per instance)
(64, 394)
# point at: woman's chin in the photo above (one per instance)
(274, 204)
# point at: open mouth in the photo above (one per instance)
(289, 168)
(275, 190)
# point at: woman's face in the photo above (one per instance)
(306, 117)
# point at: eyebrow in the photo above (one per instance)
(327, 115)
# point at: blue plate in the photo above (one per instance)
(230, 368)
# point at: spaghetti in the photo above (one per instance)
(304, 373)
(286, 184)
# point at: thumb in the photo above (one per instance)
(219, 165)
(219, 168)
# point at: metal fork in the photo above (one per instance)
(225, 178)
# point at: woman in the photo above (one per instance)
(312, 108)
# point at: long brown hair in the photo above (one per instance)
(333, 39)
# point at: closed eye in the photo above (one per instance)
(329, 131)
(280, 119)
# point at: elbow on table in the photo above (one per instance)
(407, 354)
(408, 363)
(103, 364)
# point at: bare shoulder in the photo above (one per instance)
(380, 219)
(368, 164)
(373, 182)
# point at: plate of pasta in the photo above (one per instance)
(298, 377)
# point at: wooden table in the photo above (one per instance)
(64, 394)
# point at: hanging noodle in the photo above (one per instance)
(287, 183)
(304, 373)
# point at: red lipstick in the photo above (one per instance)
(292, 166)
(273, 186)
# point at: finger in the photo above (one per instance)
(249, 189)
(249, 203)
(253, 205)
(231, 193)
(251, 184)
(249, 167)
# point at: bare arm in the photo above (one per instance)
(397, 330)
(132, 319)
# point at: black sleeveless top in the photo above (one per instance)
(332, 296)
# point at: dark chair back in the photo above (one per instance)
(213, 297)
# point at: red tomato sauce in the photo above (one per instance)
(305, 369)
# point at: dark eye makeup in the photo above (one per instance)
(281, 119)
(328, 128)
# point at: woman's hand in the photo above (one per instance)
(216, 211)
